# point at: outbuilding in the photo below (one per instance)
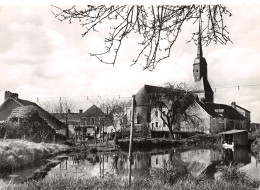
(234, 138)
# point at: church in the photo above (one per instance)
(212, 117)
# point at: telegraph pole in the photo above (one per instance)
(131, 141)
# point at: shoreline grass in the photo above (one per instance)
(16, 153)
(232, 178)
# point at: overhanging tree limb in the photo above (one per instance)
(158, 27)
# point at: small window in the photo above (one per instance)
(156, 113)
(102, 120)
(197, 70)
(156, 124)
(164, 124)
(92, 120)
(152, 125)
(214, 121)
(138, 119)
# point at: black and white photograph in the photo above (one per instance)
(130, 95)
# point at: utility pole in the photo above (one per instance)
(131, 141)
(66, 123)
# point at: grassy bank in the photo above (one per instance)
(231, 179)
(16, 153)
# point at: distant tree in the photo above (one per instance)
(115, 108)
(156, 28)
(61, 106)
(172, 103)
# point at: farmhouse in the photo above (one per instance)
(13, 106)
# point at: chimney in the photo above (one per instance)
(233, 104)
(15, 95)
(9, 94)
(80, 111)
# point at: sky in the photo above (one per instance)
(43, 58)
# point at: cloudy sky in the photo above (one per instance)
(41, 57)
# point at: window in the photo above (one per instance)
(138, 119)
(102, 120)
(197, 70)
(214, 121)
(92, 120)
(164, 124)
(156, 124)
(156, 113)
(152, 125)
(83, 120)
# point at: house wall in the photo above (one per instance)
(240, 139)
(217, 124)
(200, 124)
(157, 124)
(230, 124)
(246, 124)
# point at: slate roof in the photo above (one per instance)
(142, 97)
(242, 108)
(70, 116)
(94, 111)
(11, 103)
(228, 111)
(209, 109)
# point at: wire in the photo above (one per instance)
(88, 97)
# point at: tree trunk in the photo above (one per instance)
(170, 132)
(115, 140)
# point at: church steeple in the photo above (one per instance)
(200, 74)
(199, 52)
(200, 64)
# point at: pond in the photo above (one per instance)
(197, 162)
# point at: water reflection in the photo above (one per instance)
(197, 162)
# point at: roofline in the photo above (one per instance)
(16, 101)
(233, 131)
(242, 108)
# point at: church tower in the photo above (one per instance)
(200, 74)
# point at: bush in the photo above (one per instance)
(233, 174)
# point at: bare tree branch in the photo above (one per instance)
(158, 27)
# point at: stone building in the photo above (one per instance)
(213, 117)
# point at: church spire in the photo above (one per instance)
(199, 52)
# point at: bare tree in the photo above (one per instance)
(157, 27)
(61, 106)
(115, 108)
(172, 102)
